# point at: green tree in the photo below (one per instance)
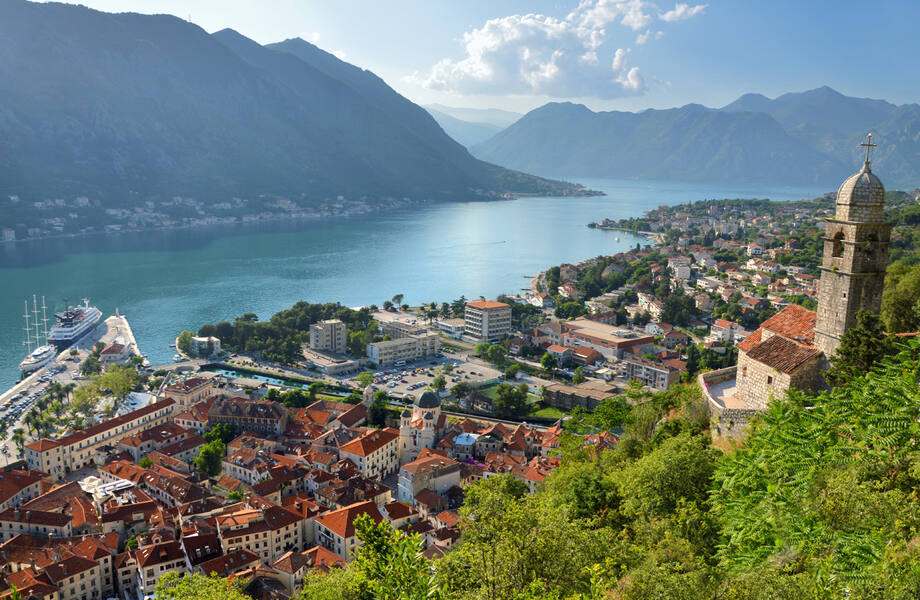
(495, 354)
(84, 400)
(18, 438)
(378, 412)
(460, 390)
(210, 457)
(91, 365)
(145, 462)
(365, 378)
(481, 349)
(549, 364)
(512, 371)
(901, 299)
(184, 343)
(194, 586)
(578, 376)
(510, 401)
(860, 348)
(680, 470)
(693, 360)
(570, 310)
(237, 495)
(120, 380)
(438, 383)
(391, 563)
(223, 432)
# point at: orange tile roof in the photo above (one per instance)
(487, 304)
(370, 442)
(428, 463)
(341, 522)
(751, 341)
(12, 482)
(783, 354)
(794, 322)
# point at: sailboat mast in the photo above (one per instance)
(44, 320)
(38, 332)
(28, 329)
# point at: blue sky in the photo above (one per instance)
(608, 54)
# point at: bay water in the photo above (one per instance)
(167, 281)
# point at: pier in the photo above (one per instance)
(114, 329)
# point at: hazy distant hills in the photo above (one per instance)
(492, 116)
(468, 133)
(132, 106)
(799, 139)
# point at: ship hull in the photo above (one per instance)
(30, 366)
(63, 337)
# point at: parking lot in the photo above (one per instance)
(411, 379)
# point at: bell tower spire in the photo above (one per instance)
(855, 256)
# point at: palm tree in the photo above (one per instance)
(57, 407)
(29, 422)
(18, 438)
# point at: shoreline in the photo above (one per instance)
(587, 193)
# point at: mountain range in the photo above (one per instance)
(808, 138)
(130, 106)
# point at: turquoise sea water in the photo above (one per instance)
(166, 281)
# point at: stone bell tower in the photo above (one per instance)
(855, 256)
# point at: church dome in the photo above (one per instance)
(428, 400)
(862, 188)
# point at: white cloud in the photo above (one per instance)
(682, 12)
(635, 14)
(534, 54)
(558, 57)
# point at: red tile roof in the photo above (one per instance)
(341, 522)
(12, 482)
(793, 322)
(79, 436)
(487, 304)
(751, 341)
(370, 442)
(783, 354)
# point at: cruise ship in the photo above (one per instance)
(73, 324)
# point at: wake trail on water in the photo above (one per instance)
(470, 245)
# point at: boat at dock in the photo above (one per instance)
(39, 355)
(73, 324)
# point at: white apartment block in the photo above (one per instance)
(408, 348)
(486, 320)
(329, 336)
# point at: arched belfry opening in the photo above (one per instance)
(837, 250)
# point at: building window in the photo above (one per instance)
(769, 380)
(838, 245)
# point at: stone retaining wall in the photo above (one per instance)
(728, 422)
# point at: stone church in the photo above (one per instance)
(791, 349)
